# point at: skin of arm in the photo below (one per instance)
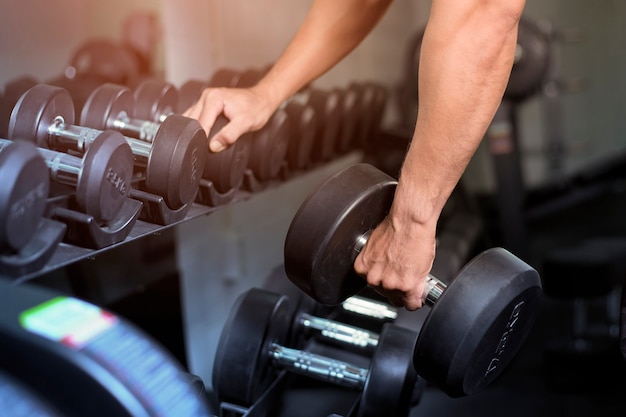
(330, 31)
(466, 57)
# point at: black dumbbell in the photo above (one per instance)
(252, 350)
(370, 308)
(155, 100)
(373, 98)
(351, 112)
(306, 323)
(305, 124)
(476, 325)
(225, 77)
(13, 90)
(225, 169)
(327, 106)
(112, 106)
(101, 178)
(45, 114)
(23, 195)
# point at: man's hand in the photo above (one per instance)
(246, 109)
(396, 260)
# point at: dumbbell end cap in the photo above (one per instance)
(479, 323)
(320, 246)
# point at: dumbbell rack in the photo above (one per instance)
(147, 224)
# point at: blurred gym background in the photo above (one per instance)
(558, 202)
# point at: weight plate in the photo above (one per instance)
(24, 192)
(105, 178)
(349, 122)
(105, 105)
(176, 162)
(13, 90)
(269, 147)
(35, 112)
(155, 99)
(304, 122)
(379, 104)
(249, 78)
(320, 246)
(479, 323)
(227, 168)
(242, 368)
(391, 377)
(189, 93)
(225, 77)
(328, 107)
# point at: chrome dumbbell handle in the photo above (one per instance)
(433, 287)
(370, 308)
(318, 367)
(80, 138)
(340, 332)
(144, 130)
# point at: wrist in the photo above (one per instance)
(416, 206)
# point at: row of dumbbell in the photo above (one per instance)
(141, 130)
(327, 122)
(313, 126)
(292, 137)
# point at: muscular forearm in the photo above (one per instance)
(331, 30)
(466, 58)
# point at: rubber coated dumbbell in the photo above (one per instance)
(367, 307)
(45, 114)
(101, 178)
(13, 90)
(114, 107)
(305, 124)
(476, 325)
(305, 324)
(366, 310)
(373, 98)
(23, 195)
(327, 106)
(251, 351)
(155, 100)
(225, 169)
(351, 113)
